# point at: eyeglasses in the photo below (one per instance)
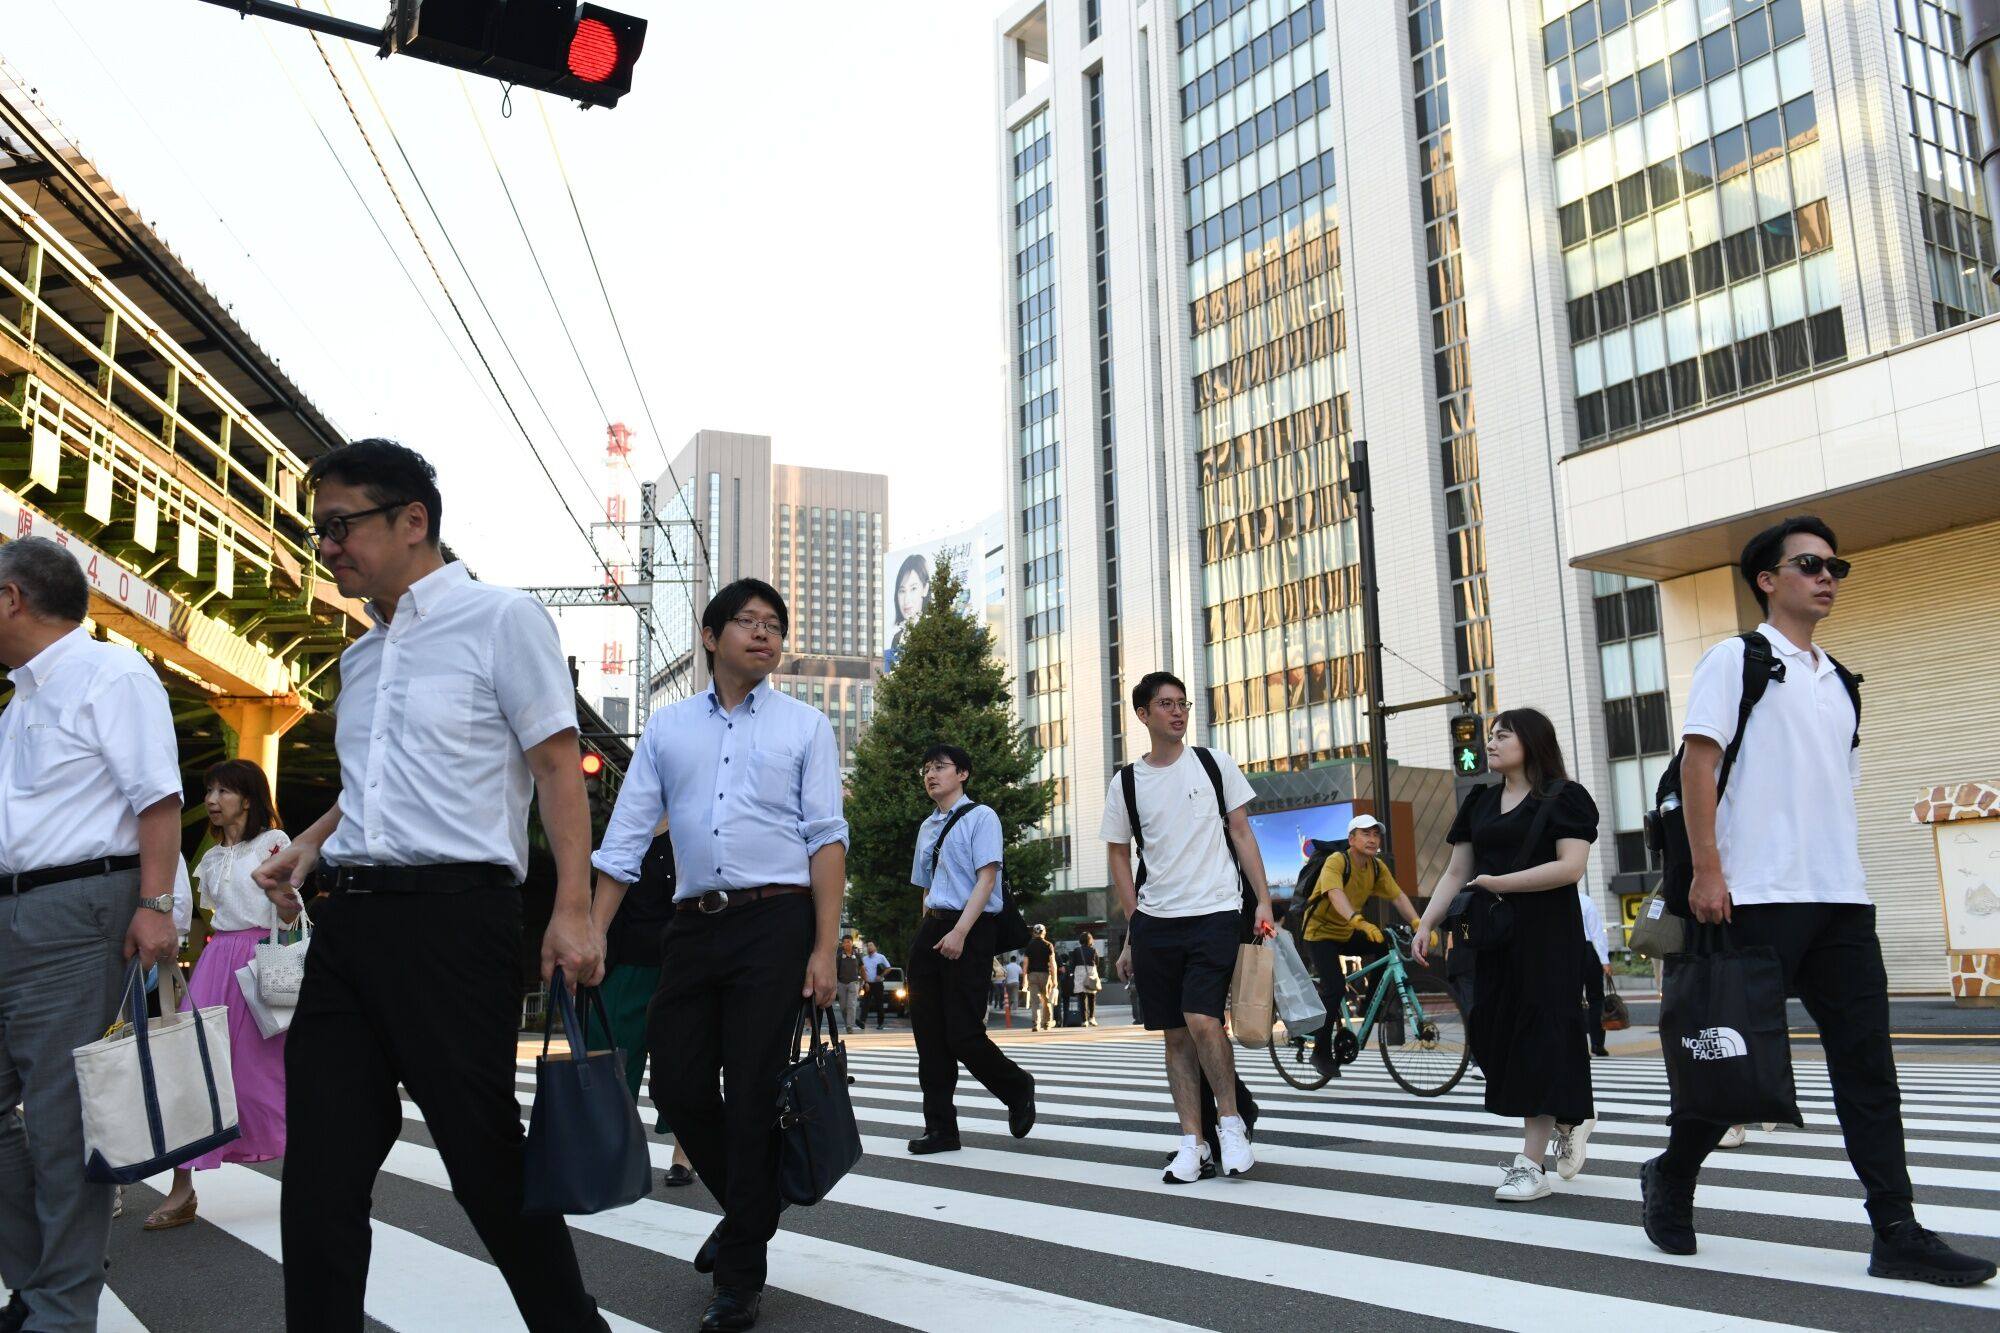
(1171, 705)
(336, 526)
(751, 624)
(938, 766)
(1811, 565)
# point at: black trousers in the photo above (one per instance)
(422, 990)
(1593, 995)
(1325, 955)
(948, 1016)
(878, 1000)
(723, 1019)
(1833, 964)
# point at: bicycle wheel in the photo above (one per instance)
(1435, 1048)
(1292, 1057)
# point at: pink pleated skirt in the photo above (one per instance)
(256, 1063)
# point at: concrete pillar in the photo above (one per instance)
(1698, 611)
(259, 725)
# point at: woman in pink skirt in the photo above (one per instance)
(245, 822)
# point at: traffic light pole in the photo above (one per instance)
(302, 18)
(1359, 484)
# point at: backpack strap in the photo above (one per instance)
(937, 848)
(1852, 683)
(1760, 668)
(1129, 784)
(1214, 772)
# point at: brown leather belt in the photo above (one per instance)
(943, 913)
(721, 900)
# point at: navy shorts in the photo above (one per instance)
(1182, 965)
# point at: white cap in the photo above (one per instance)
(1360, 822)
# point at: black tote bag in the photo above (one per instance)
(586, 1150)
(1722, 1029)
(818, 1139)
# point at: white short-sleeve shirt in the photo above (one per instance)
(234, 900)
(1189, 871)
(437, 710)
(1786, 828)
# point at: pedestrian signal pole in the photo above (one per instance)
(1358, 485)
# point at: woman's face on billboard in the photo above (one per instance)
(910, 595)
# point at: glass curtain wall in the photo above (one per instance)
(1944, 159)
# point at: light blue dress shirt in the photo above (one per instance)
(974, 844)
(749, 794)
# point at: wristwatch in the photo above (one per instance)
(164, 904)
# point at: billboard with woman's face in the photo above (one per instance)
(906, 582)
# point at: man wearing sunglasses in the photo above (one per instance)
(749, 780)
(455, 708)
(1778, 856)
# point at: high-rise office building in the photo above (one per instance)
(1503, 243)
(815, 534)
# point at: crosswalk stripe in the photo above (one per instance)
(413, 1283)
(902, 1291)
(112, 1314)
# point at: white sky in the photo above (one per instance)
(794, 208)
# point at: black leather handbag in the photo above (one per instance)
(586, 1150)
(818, 1139)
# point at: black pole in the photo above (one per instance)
(300, 18)
(1371, 627)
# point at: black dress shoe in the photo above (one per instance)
(1324, 1063)
(676, 1176)
(934, 1142)
(732, 1308)
(1666, 1206)
(15, 1317)
(1599, 1049)
(1906, 1250)
(704, 1258)
(1021, 1115)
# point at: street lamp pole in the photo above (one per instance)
(1360, 487)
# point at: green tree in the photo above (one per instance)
(948, 688)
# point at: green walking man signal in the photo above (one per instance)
(1468, 746)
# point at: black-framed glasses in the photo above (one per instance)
(751, 624)
(336, 526)
(1810, 565)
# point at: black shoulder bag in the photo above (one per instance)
(818, 1139)
(1010, 928)
(1478, 919)
(586, 1150)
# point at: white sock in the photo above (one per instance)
(1234, 1120)
(1190, 1140)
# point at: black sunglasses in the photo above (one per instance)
(1811, 565)
(336, 526)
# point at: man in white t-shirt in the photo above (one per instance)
(1185, 906)
(1778, 856)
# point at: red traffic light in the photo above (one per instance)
(593, 764)
(593, 51)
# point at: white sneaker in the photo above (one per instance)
(1236, 1155)
(1569, 1147)
(1524, 1183)
(1190, 1164)
(1734, 1138)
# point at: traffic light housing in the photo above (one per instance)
(584, 52)
(1468, 746)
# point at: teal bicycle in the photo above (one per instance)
(1423, 1032)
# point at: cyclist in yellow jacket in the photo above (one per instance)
(1335, 926)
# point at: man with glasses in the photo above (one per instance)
(749, 780)
(454, 709)
(1777, 855)
(957, 866)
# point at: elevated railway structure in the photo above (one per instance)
(142, 426)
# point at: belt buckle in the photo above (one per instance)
(719, 897)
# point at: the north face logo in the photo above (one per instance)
(1715, 1044)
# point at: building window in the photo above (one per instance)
(1637, 720)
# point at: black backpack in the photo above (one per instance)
(1295, 914)
(1666, 822)
(1129, 784)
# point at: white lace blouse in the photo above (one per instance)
(232, 897)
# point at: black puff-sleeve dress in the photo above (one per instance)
(1527, 1021)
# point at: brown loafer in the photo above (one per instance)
(166, 1219)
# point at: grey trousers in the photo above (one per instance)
(61, 967)
(849, 995)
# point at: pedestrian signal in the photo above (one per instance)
(1468, 746)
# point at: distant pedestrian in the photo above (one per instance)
(244, 820)
(874, 963)
(1526, 1026)
(1010, 976)
(1041, 963)
(1774, 841)
(456, 707)
(848, 981)
(749, 779)
(1596, 969)
(1085, 979)
(958, 867)
(1185, 905)
(90, 824)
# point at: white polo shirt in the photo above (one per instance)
(1786, 828)
(437, 708)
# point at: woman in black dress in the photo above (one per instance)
(1527, 840)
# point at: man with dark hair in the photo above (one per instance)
(90, 806)
(874, 964)
(957, 865)
(1184, 807)
(455, 709)
(1038, 956)
(1773, 837)
(749, 780)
